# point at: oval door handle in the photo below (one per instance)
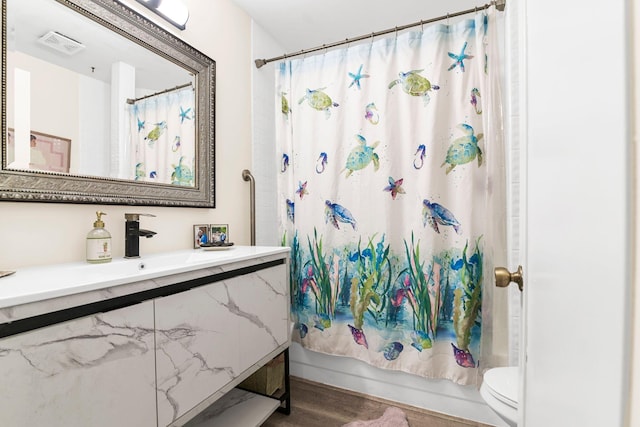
(503, 277)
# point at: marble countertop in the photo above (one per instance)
(51, 282)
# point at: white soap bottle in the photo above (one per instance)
(98, 242)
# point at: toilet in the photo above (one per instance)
(500, 390)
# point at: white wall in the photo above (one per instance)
(39, 233)
(634, 408)
(264, 147)
(578, 218)
(55, 102)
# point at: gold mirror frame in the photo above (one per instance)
(35, 186)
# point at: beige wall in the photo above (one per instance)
(47, 233)
(47, 115)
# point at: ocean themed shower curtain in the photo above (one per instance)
(162, 135)
(392, 198)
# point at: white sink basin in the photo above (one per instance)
(45, 282)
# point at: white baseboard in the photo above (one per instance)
(435, 395)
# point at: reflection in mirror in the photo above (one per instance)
(104, 95)
(71, 79)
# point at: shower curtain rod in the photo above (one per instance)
(133, 101)
(499, 4)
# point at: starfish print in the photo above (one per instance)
(184, 114)
(459, 58)
(395, 187)
(302, 189)
(356, 77)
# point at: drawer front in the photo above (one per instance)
(92, 371)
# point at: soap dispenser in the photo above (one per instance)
(98, 242)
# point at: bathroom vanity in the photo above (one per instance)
(154, 341)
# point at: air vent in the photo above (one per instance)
(61, 43)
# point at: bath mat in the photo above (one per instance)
(392, 417)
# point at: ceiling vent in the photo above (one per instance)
(61, 43)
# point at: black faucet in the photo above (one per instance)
(132, 234)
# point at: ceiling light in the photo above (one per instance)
(174, 11)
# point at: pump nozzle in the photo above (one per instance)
(99, 223)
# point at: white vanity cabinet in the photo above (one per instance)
(209, 336)
(158, 341)
(91, 371)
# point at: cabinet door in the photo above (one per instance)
(93, 371)
(207, 336)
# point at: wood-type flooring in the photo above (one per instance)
(318, 405)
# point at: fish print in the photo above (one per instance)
(418, 161)
(302, 189)
(140, 124)
(434, 214)
(321, 163)
(392, 350)
(463, 357)
(322, 321)
(371, 114)
(302, 329)
(291, 210)
(459, 59)
(335, 213)
(420, 340)
(358, 336)
(398, 298)
(357, 76)
(394, 187)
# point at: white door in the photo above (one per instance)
(576, 267)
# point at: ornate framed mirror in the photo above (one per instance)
(101, 105)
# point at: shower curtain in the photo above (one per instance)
(162, 135)
(392, 198)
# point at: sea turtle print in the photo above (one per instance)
(361, 155)
(434, 214)
(464, 149)
(335, 213)
(414, 84)
(318, 100)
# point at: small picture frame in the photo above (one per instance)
(47, 152)
(219, 233)
(201, 234)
